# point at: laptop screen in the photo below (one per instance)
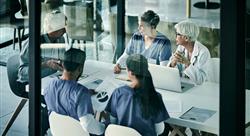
(167, 78)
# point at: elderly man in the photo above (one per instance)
(54, 26)
(54, 34)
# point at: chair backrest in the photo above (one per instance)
(79, 20)
(117, 130)
(62, 125)
(9, 7)
(12, 71)
(214, 70)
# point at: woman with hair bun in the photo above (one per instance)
(147, 41)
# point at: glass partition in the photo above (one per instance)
(208, 21)
(13, 33)
(91, 26)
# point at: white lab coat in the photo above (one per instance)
(198, 69)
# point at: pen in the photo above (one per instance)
(192, 118)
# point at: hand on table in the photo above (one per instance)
(117, 69)
(179, 57)
(53, 64)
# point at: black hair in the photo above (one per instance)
(151, 18)
(73, 58)
(146, 94)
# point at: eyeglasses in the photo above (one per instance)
(178, 34)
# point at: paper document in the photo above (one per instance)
(198, 114)
(93, 84)
(105, 90)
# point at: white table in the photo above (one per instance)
(205, 96)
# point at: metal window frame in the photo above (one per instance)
(232, 68)
(34, 68)
(232, 90)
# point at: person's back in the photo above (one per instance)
(126, 109)
(55, 28)
(138, 105)
(67, 97)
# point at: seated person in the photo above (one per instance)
(67, 97)
(54, 25)
(138, 105)
(191, 57)
(148, 41)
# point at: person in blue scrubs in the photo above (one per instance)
(152, 44)
(67, 97)
(138, 105)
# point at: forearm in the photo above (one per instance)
(159, 128)
(91, 125)
(197, 75)
(122, 60)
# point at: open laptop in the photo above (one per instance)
(168, 78)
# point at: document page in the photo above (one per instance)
(198, 114)
(105, 90)
(93, 84)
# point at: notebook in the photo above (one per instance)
(168, 78)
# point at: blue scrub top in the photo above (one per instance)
(159, 51)
(126, 109)
(69, 98)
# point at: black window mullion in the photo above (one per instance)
(120, 29)
(232, 72)
(34, 68)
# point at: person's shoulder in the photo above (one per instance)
(82, 89)
(161, 36)
(123, 90)
(52, 84)
(202, 47)
(162, 39)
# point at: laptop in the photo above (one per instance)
(168, 78)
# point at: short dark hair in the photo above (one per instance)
(73, 58)
(151, 18)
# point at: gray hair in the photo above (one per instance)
(189, 29)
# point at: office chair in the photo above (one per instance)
(18, 25)
(62, 125)
(12, 70)
(79, 22)
(117, 130)
(8, 19)
(214, 70)
(247, 124)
